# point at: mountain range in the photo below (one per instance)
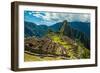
(74, 30)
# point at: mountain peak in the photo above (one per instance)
(65, 23)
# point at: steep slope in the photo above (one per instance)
(64, 47)
(31, 29)
(58, 44)
(80, 26)
(74, 30)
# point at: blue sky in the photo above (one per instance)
(50, 18)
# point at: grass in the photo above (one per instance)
(66, 45)
(72, 53)
(57, 39)
(81, 51)
(29, 58)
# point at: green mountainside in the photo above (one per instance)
(56, 46)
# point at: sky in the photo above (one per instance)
(50, 18)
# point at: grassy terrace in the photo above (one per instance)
(30, 57)
(72, 53)
(33, 57)
(57, 39)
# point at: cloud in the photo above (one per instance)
(55, 16)
(85, 17)
(30, 13)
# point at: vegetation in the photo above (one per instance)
(57, 45)
(32, 57)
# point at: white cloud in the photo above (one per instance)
(47, 16)
(37, 15)
(51, 16)
(30, 13)
(85, 18)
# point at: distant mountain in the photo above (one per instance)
(31, 29)
(80, 26)
(56, 27)
(40, 30)
(60, 40)
(74, 30)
